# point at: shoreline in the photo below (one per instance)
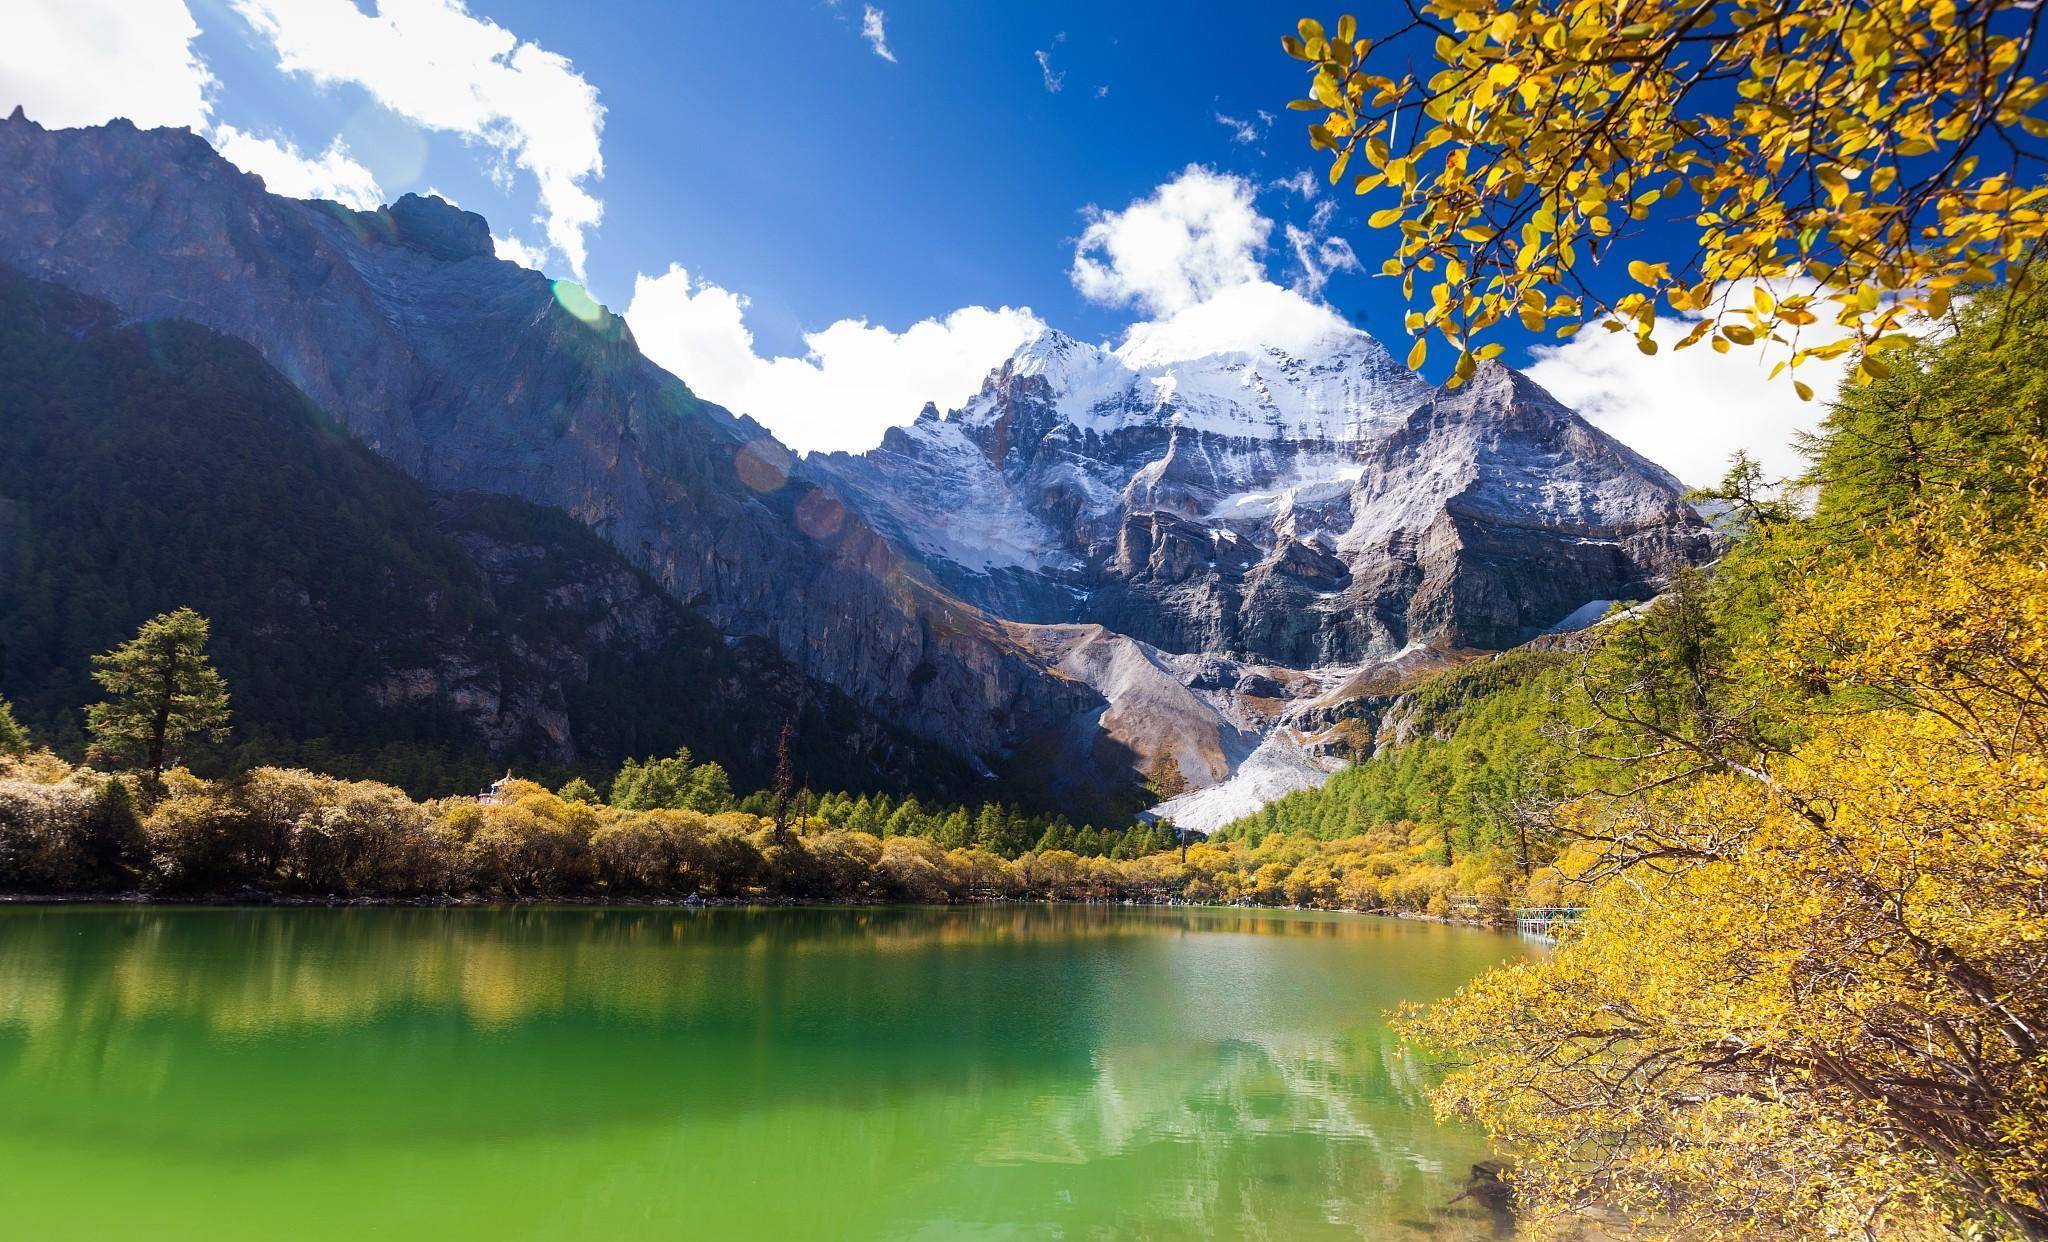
(299, 901)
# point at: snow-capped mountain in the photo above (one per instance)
(1226, 547)
(1305, 509)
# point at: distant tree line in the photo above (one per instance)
(664, 828)
(679, 783)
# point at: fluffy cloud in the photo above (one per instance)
(513, 250)
(856, 380)
(288, 171)
(84, 62)
(1193, 255)
(871, 19)
(438, 66)
(1193, 237)
(1251, 315)
(1688, 411)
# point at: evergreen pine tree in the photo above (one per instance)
(655, 784)
(956, 831)
(162, 692)
(13, 738)
(710, 790)
(909, 820)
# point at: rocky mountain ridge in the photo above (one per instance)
(1267, 529)
(1139, 564)
(1303, 510)
(366, 626)
(475, 375)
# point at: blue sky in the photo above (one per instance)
(800, 225)
(765, 146)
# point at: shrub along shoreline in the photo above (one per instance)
(279, 836)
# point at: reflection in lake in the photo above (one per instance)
(1008, 1071)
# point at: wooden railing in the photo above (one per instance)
(1545, 921)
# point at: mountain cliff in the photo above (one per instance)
(366, 625)
(1108, 566)
(1307, 510)
(1270, 533)
(472, 374)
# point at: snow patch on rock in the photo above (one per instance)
(1280, 766)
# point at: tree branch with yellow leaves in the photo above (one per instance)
(1835, 162)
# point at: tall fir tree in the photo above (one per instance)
(162, 692)
(13, 738)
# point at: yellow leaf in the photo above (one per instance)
(1418, 354)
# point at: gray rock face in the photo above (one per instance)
(1308, 511)
(1314, 510)
(472, 375)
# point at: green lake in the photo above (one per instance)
(984, 1072)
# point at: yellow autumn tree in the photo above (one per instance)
(1817, 169)
(1812, 993)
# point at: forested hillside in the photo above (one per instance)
(367, 626)
(1463, 752)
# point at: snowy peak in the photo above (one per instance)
(1166, 510)
(1344, 387)
(1055, 357)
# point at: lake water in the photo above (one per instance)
(987, 1072)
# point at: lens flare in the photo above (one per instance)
(578, 302)
(762, 464)
(820, 515)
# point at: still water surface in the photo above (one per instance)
(994, 1072)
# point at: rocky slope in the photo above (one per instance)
(1312, 510)
(1108, 565)
(473, 374)
(1270, 531)
(365, 625)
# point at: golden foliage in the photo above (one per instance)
(1816, 997)
(1866, 145)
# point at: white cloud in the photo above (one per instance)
(1689, 411)
(85, 62)
(1318, 253)
(1241, 132)
(288, 171)
(1252, 315)
(433, 63)
(1053, 81)
(1194, 236)
(1303, 182)
(1192, 254)
(1317, 257)
(513, 250)
(871, 29)
(856, 381)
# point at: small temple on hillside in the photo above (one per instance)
(496, 793)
